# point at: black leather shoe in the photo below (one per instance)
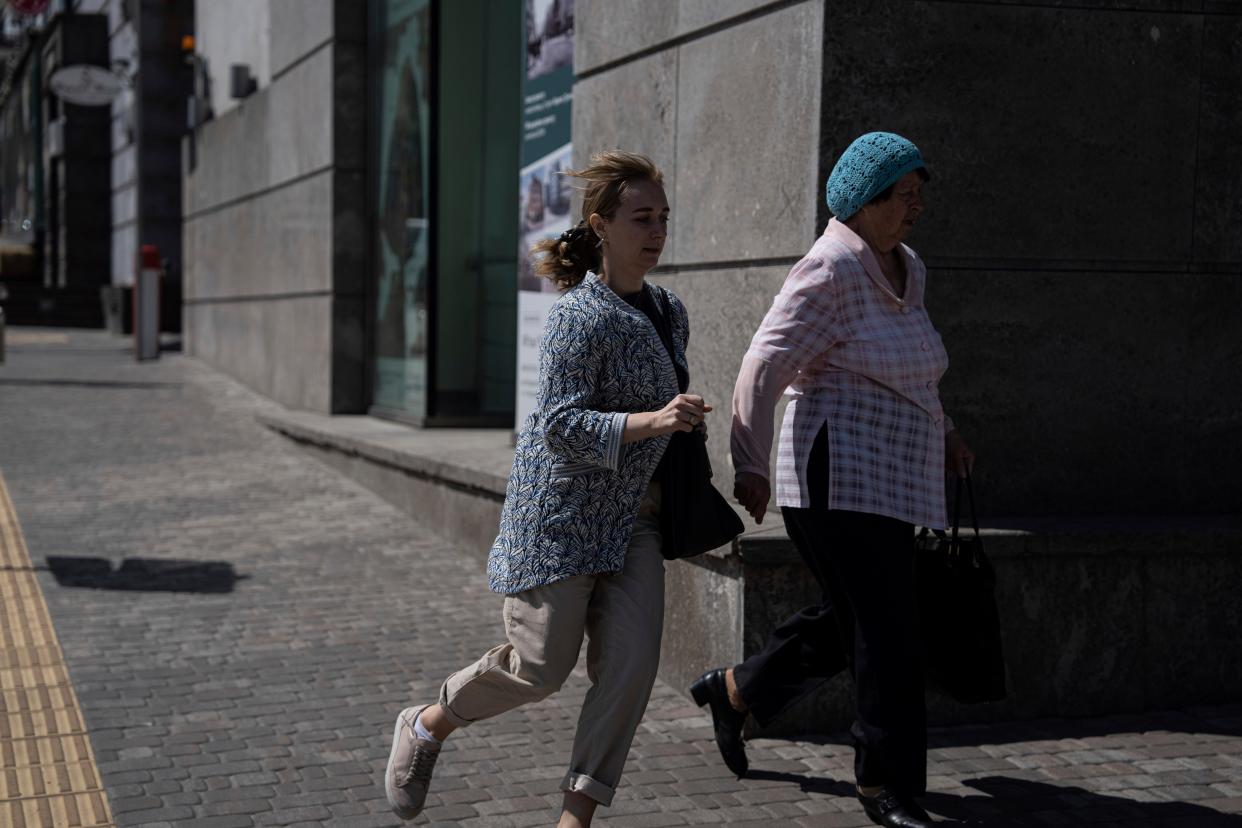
(886, 808)
(710, 689)
(914, 808)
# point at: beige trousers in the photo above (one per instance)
(621, 615)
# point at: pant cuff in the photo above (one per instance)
(449, 713)
(756, 705)
(583, 784)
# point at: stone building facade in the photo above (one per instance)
(1081, 228)
(1084, 271)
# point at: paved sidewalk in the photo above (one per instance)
(242, 624)
(48, 773)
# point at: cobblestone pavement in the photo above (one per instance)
(255, 682)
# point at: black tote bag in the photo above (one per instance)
(694, 517)
(957, 607)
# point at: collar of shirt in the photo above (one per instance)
(839, 232)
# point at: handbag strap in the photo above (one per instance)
(664, 327)
(974, 516)
(955, 544)
(957, 510)
(957, 507)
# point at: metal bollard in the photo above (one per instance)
(147, 304)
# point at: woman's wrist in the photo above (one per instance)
(639, 425)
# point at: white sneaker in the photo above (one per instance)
(410, 764)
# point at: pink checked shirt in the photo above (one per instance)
(852, 354)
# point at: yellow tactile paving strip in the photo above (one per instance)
(48, 777)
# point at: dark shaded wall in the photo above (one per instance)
(1085, 266)
(1082, 227)
(78, 243)
(1081, 234)
(148, 122)
(163, 84)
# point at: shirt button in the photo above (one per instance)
(926, 346)
(905, 308)
(931, 384)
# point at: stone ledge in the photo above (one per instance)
(1062, 536)
(477, 460)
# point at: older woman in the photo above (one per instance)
(578, 552)
(862, 459)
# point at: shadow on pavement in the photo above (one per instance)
(144, 574)
(1017, 802)
(1008, 803)
(1223, 719)
(821, 785)
(88, 383)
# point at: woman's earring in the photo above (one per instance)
(599, 243)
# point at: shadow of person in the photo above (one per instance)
(1011, 802)
(144, 574)
(1006, 802)
(821, 785)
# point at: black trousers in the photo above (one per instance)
(866, 621)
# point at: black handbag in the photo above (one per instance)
(694, 517)
(956, 587)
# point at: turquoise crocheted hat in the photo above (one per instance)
(873, 162)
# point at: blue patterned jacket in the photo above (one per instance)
(575, 488)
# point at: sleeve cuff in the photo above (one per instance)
(746, 467)
(612, 446)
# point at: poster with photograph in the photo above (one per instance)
(544, 201)
(549, 36)
(544, 194)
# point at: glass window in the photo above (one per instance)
(447, 104)
(401, 142)
(476, 241)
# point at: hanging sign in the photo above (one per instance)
(86, 85)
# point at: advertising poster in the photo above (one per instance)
(544, 194)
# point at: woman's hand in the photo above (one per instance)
(685, 412)
(958, 458)
(752, 491)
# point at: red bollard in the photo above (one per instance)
(147, 304)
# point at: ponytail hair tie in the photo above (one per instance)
(576, 232)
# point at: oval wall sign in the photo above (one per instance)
(86, 85)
